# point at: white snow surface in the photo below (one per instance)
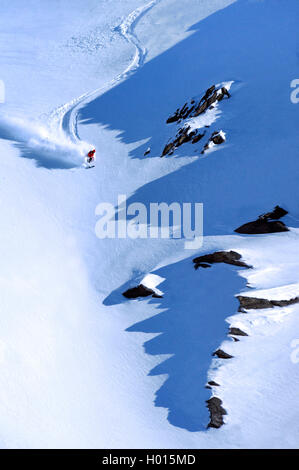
(151, 281)
(81, 367)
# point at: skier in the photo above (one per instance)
(90, 156)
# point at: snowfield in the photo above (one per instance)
(80, 365)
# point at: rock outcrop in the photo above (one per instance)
(217, 412)
(222, 354)
(213, 384)
(195, 109)
(217, 138)
(140, 291)
(227, 257)
(236, 331)
(184, 135)
(250, 303)
(276, 214)
(191, 110)
(266, 223)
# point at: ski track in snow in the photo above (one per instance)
(64, 120)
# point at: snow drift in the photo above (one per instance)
(47, 147)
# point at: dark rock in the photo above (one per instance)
(266, 223)
(194, 109)
(250, 303)
(184, 135)
(167, 149)
(222, 354)
(208, 93)
(224, 92)
(211, 96)
(217, 138)
(175, 117)
(216, 412)
(140, 291)
(181, 113)
(276, 214)
(228, 257)
(213, 384)
(262, 226)
(284, 303)
(236, 331)
(197, 138)
(201, 109)
(147, 152)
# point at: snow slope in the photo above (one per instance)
(73, 373)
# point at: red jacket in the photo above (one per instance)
(91, 153)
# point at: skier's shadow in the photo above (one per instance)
(191, 328)
(45, 158)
